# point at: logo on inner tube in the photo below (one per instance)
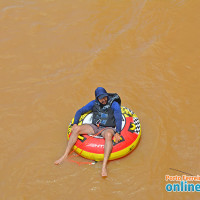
(96, 145)
(131, 127)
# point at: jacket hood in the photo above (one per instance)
(99, 91)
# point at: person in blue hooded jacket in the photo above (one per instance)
(107, 120)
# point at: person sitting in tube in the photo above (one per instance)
(107, 120)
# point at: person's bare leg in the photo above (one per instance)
(82, 129)
(107, 134)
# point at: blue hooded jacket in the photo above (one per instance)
(115, 106)
(100, 91)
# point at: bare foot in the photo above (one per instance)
(59, 161)
(104, 172)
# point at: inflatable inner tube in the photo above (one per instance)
(93, 147)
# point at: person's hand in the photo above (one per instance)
(117, 138)
(74, 126)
